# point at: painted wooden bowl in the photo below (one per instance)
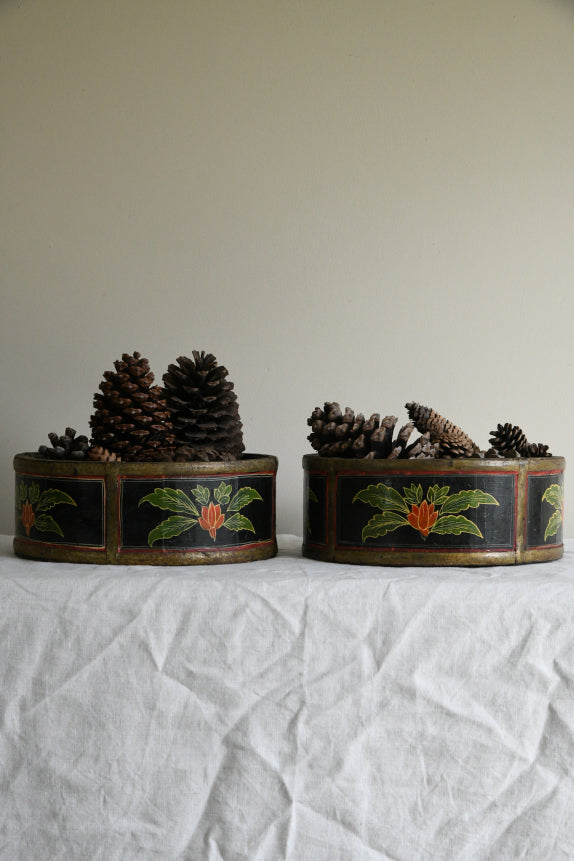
(433, 512)
(145, 513)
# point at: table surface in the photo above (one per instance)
(286, 709)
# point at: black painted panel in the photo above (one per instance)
(315, 508)
(61, 510)
(544, 510)
(202, 513)
(447, 511)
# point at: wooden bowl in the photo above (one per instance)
(433, 512)
(145, 513)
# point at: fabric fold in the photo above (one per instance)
(286, 710)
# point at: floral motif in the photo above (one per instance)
(554, 496)
(187, 515)
(211, 519)
(438, 512)
(423, 517)
(33, 504)
(27, 516)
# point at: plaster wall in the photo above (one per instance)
(368, 201)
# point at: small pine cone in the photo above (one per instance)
(97, 453)
(422, 448)
(508, 438)
(442, 431)
(67, 446)
(536, 449)
(204, 408)
(131, 417)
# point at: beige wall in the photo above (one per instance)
(368, 201)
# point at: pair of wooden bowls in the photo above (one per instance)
(376, 512)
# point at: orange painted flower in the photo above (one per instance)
(211, 518)
(423, 517)
(27, 517)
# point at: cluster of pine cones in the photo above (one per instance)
(193, 416)
(335, 433)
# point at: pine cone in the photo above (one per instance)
(186, 454)
(204, 409)
(66, 446)
(338, 434)
(507, 437)
(510, 441)
(97, 453)
(131, 418)
(536, 449)
(453, 442)
(456, 445)
(422, 448)
(400, 443)
(382, 438)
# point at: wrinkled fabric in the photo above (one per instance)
(286, 709)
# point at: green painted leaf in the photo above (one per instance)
(467, 499)
(45, 523)
(237, 522)
(382, 496)
(311, 495)
(553, 495)
(452, 525)
(201, 493)
(413, 494)
(52, 497)
(380, 524)
(22, 492)
(242, 498)
(34, 492)
(222, 493)
(170, 499)
(554, 524)
(170, 528)
(437, 494)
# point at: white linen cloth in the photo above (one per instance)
(286, 709)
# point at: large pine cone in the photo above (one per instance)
(335, 433)
(131, 418)
(509, 441)
(451, 440)
(338, 434)
(204, 409)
